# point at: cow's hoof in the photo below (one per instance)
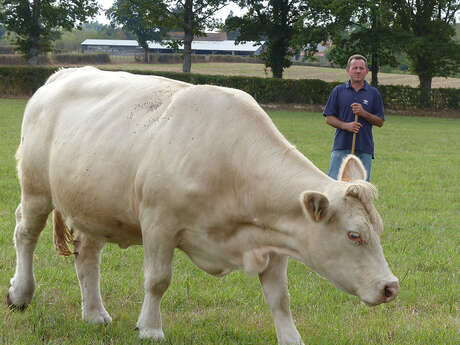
(13, 306)
(98, 318)
(152, 334)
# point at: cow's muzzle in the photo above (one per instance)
(390, 291)
(386, 293)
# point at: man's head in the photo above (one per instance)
(357, 68)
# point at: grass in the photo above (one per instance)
(417, 171)
(293, 72)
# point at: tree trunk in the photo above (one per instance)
(146, 55)
(188, 36)
(276, 53)
(32, 55)
(425, 90)
(277, 72)
(375, 69)
(375, 48)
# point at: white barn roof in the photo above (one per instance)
(216, 46)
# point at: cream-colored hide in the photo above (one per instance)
(133, 159)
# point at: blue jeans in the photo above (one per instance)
(337, 156)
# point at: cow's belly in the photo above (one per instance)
(215, 260)
(97, 201)
(220, 255)
(112, 229)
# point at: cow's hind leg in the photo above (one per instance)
(158, 257)
(87, 261)
(274, 283)
(31, 217)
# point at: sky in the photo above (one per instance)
(222, 14)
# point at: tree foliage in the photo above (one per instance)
(193, 17)
(364, 27)
(285, 27)
(38, 23)
(430, 44)
(142, 18)
(70, 41)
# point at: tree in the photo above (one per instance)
(2, 29)
(193, 16)
(142, 18)
(71, 40)
(364, 27)
(285, 27)
(38, 23)
(431, 46)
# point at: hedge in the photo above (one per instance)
(60, 59)
(98, 58)
(196, 58)
(23, 81)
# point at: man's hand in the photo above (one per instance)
(358, 109)
(371, 118)
(352, 127)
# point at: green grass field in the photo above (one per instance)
(417, 171)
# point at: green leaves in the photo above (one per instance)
(430, 44)
(285, 27)
(38, 23)
(141, 17)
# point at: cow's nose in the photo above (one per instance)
(391, 291)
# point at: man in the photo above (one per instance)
(354, 97)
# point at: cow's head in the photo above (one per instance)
(343, 244)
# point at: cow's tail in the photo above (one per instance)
(63, 236)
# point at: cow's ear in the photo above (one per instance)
(352, 169)
(315, 205)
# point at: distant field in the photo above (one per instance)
(417, 171)
(293, 72)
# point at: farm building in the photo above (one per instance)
(131, 47)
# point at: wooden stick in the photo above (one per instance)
(353, 144)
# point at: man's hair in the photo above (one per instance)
(356, 57)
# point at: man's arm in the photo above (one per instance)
(371, 118)
(352, 127)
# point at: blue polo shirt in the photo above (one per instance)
(339, 105)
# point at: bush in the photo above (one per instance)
(63, 59)
(406, 97)
(13, 59)
(23, 81)
(81, 59)
(178, 58)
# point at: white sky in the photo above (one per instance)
(222, 14)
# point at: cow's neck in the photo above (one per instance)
(273, 197)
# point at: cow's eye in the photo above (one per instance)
(355, 237)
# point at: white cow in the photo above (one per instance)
(133, 159)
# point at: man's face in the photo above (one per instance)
(357, 70)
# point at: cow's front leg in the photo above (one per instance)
(87, 261)
(274, 283)
(158, 256)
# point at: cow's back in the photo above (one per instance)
(84, 136)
